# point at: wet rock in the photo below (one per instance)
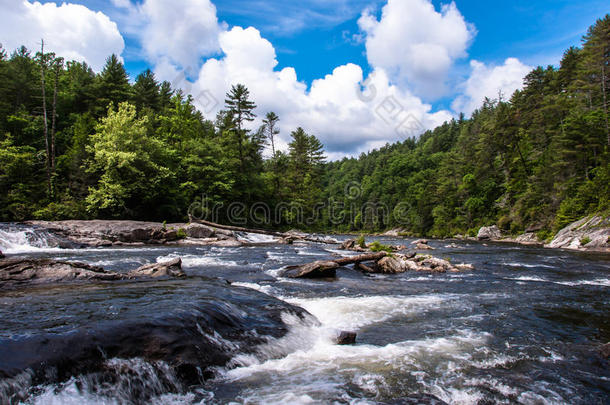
(318, 269)
(346, 338)
(193, 338)
(489, 233)
(464, 266)
(227, 243)
(1, 255)
(198, 231)
(172, 268)
(17, 272)
(20, 272)
(423, 246)
(348, 244)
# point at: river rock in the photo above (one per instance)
(420, 241)
(423, 246)
(346, 338)
(528, 238)
(394, 233)
(593, 230)
(317, 269)
(198, 231)
(17, 272)
(489, 233)
(192, 336)
(348, 244)
(171, 268)
(393, 265)
(20, 272)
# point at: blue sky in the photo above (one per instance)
(307, 59)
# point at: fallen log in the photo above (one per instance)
(259, 231)
(328, 268)
(369, 257)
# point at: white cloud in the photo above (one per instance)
(416, 44)
(70, 30)
(346, 118)
(181, 34)
(488, 81)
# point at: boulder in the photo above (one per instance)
(393, 265)
(528, 238)
(346, 338)
(1, 255)
(394, 233)
(423, 246)
(489, 233)
(172, 268)
(317, 269)
(348, 244)
(198, 231)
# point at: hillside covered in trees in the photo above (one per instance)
(76, 144)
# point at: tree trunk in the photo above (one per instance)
(368, 257)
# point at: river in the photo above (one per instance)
(524, 326)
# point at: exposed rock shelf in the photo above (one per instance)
(17, 272)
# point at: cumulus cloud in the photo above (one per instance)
(416, 44)
(347, 117)
(70, 30)
(489, 81)
(179, 34)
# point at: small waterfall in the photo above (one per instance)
(16, 238)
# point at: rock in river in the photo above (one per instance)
(18, 272)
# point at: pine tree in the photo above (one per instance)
(113, 85)
(146, 91)
(242, 109)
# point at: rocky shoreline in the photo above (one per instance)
(590, 234)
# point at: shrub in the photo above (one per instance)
(584, 241)
(361, 242)
(378, 247)
(181, 233)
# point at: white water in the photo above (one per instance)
(255, 237)
(24, 240)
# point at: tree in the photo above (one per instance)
(241, 109)
(271, 130)
(112, 85)
(146, 91)
(130, 165)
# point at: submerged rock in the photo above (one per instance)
(489, 233)
(346, 338)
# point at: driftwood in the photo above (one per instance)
(369, 257)
(258, 231)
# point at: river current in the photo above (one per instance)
(525, 326)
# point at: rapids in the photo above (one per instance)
(524, 327)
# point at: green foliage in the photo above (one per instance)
(181, 233)
(538, 159)
(378, 247)
(585, 241)
(361, 242)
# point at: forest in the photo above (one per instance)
(81, 145)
